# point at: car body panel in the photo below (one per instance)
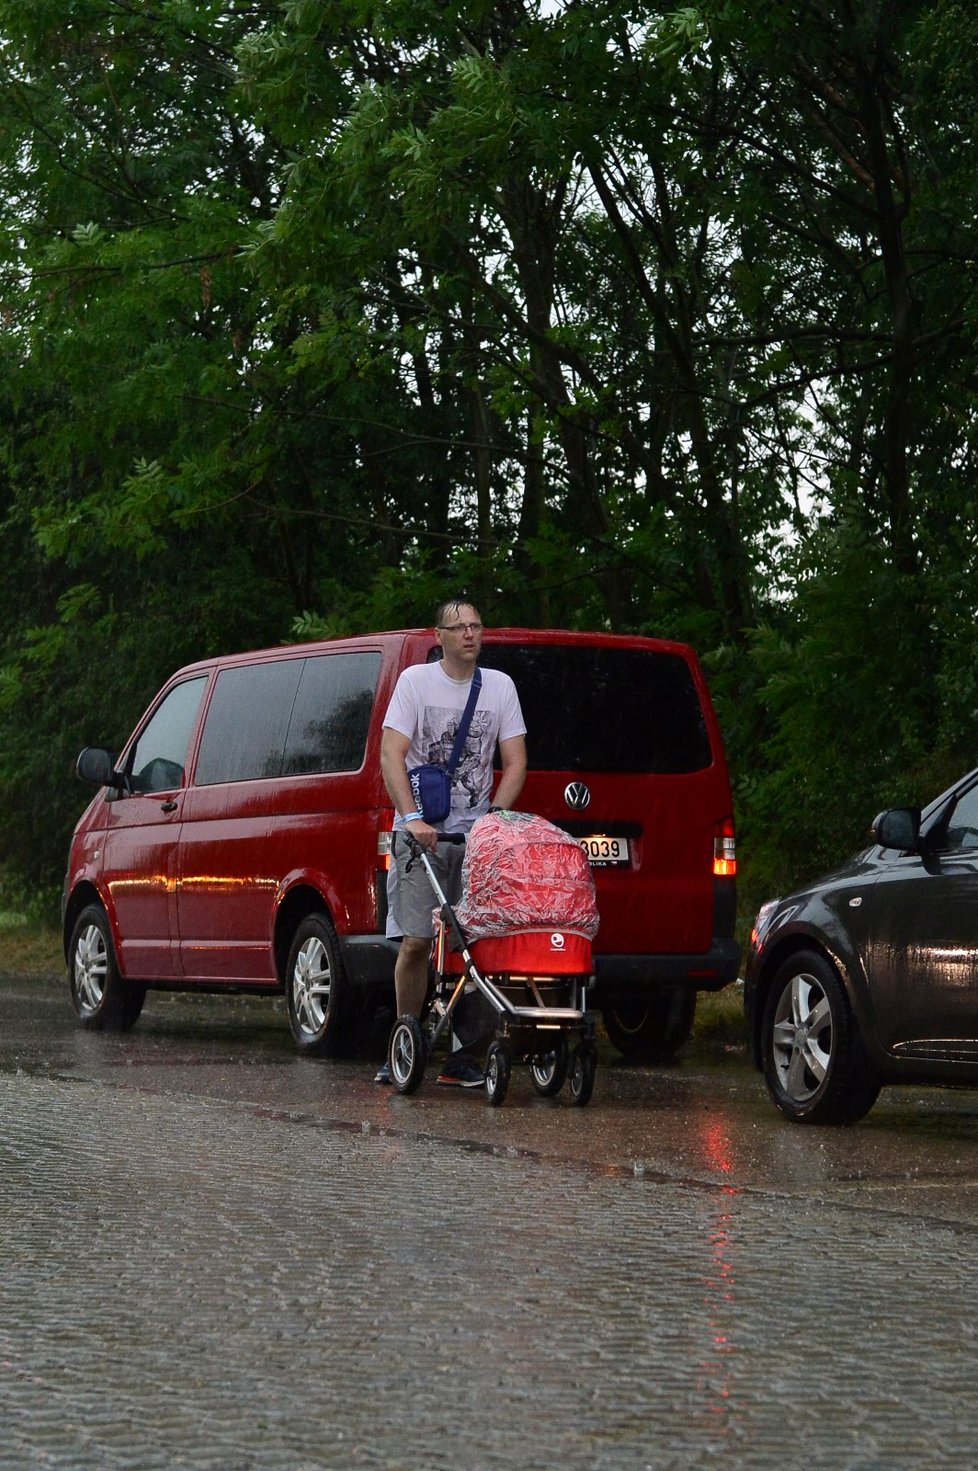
(923, 952)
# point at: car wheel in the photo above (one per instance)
(549, 1069)
(314, 989)
(651, 1027)
(815, 1063)
(102, 1000)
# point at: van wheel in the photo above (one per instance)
(102, 1000)
(314, 989)
(651, 1027)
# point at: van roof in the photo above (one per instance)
(592, 638)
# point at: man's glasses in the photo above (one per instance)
(460, 627)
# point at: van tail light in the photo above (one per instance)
(724, 849)
(384, 843)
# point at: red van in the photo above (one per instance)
(239, 843)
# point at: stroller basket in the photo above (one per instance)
(533, 952)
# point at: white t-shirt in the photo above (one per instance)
(427, 705)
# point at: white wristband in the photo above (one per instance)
(412, 817)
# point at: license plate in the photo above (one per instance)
(603, 851)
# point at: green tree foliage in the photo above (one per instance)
(867, 206)
(625, 316)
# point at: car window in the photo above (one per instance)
(247, 721)
(962, 826)
(601, 709)
(288, 717)
(331, 714)
(158, 759)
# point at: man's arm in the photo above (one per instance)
(513, 756)
(393, 750)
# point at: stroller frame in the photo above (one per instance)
(556, 1041)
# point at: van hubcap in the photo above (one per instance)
(311, 985)
(91, 962)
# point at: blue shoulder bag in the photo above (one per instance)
(432, 785)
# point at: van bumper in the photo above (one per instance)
(618, 976)
(369, 961)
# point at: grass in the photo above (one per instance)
(27, 950)
(720, 1019)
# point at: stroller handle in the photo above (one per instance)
(415, 846)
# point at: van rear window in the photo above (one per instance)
(288, 717)
(601, 709)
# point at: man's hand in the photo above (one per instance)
(423, 835)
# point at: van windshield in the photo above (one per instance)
(601, 709)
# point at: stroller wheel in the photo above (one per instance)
(549, 1069)
(497, 1073)
(406, 1051)
(583, 1066)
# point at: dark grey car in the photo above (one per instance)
(870, 975)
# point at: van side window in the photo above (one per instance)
(606, 709)
(247, 721)
(331, 716)
(158, 759)
(288, 717)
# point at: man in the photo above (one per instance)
(420, 727)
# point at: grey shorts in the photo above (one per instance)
(411, 900)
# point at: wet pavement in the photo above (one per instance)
(216, 1254)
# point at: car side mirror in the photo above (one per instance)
(898, 828)
(97, 765)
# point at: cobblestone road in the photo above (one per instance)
(193, 1277)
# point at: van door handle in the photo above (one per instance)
(170, 806)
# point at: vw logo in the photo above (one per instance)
(576, 795)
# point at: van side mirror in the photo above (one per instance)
(97, 765)
(898, 828)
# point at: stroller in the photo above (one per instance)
(520, 937)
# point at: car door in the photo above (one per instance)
(226, 875)
(276, 792)
(922, 961)
(142, 831)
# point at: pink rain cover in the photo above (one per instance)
(522, 873)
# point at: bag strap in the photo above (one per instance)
(466, 721)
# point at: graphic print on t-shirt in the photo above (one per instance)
(472, 777)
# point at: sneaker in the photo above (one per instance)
(383, 1074)
(459, 1072)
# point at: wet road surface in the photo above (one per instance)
(216, 1254)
